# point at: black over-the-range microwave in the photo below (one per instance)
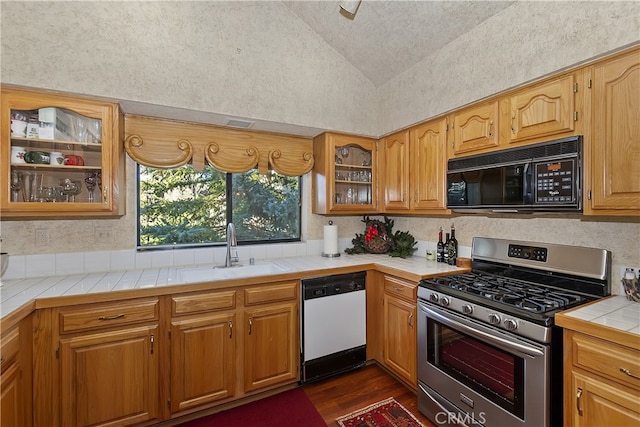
(544, 177)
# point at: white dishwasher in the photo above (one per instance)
(334, 325)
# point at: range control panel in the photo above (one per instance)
(528, 252)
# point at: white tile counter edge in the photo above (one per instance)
(17, 292)
(616, 312)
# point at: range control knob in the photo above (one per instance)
(510, 324)
(467, 309)
(494, 319)
(444, 301)
(433, 297)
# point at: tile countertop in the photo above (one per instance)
(20, 293)
(613, 317)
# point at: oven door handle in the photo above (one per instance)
(459, 420)
(531, 351)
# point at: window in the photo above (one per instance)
(185, 207)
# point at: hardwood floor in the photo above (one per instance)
(346, 393)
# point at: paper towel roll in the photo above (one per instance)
(330, 241)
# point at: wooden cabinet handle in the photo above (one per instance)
(230, 329)
(410, 320)
(626, 371)
(490, 128)
(152, 339)
(117, 316)
(513, 117)
(578, 405)
(250, 325)
(398, 289)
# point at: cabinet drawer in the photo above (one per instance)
(400, 288)
(271, 293)
(9, 347)
(187, 304)
(605, 358)
(93, 316)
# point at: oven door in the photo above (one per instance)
(472, 374)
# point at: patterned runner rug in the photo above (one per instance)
(387, 413)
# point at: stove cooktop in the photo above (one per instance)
(526, 300)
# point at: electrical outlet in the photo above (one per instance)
(103, 234)
(636, 271)
(42, 237)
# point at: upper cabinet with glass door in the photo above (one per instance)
(344, 174)
(64, 155)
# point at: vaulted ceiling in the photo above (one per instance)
(388, 37)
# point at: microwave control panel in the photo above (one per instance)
(555, 182)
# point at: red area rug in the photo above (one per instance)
(387, 413)
(291, 408)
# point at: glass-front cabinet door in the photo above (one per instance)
(63, 155)
(344, 175)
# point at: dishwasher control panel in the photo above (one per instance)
(319, 287)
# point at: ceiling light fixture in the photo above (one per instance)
(348, 8)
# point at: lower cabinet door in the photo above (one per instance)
(271, 346)
(110, 378)
(203, 353)
(11, 413)
(600, 403)
(399, 341)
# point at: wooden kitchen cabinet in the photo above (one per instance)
(413, 169)
(15, 377)
(474, 129)
(399, 329)
(87, 135)
(109, 364)
(271, 335)
(395, 172)
(542, 110)
(429, 167)
(203, 337)
(344, 177)
(612, 143)
(602, 382)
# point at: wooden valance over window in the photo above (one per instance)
(166, 144)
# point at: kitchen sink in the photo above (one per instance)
(206, 274)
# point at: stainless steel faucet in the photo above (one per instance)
(231, 242)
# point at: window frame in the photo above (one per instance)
(228, 215)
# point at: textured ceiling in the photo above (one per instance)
(387, 37)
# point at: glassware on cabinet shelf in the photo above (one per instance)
(16, 185)
(71, 188)
(91, 180)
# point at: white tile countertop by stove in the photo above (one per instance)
(615, 312)
(14, 294)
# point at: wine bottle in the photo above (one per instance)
(452, 247)
(440, 247)
(445, 252)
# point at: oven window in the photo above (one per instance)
(496, 374)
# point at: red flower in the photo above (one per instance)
(371, 234)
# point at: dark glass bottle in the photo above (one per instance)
(452, 247)
(445, 252)
(440, 247)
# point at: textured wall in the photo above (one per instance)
(525, 41)
(249, 59)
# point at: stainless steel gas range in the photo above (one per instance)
(488, 350)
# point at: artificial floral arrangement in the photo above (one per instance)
(379, 239)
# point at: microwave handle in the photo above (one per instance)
(527, 196)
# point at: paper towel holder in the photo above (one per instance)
(326, 255)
